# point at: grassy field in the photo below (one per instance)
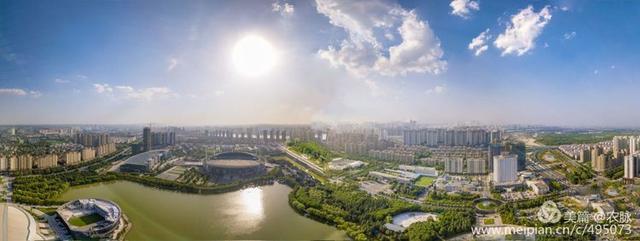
(580, 138)
(486, 205)
(85, 220)
(424, 181)
(48, 211)
(489, 221)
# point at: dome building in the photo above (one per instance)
(232, 166)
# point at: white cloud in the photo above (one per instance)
(102, 88)
(479, 43)
(374, 89)
(520, 35)
(219, 92)
(61, 81)
(564, 8)
(463, 8)
(369, 22)
(173, 62)
(35, 94)
(285, 9)
(568, 36)
(128, 92)
(12, 91)
(438, 89)
(20, 92)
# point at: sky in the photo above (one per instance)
(563, 62)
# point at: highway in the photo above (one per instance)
(544, 169)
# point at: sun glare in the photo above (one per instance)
(253, 56)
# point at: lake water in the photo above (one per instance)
(260, 213)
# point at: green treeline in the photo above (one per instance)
(312, 149)
(363, 216)
(449, 224)
(553, 139)
(45, 190)
(580, 175)
(350, 209)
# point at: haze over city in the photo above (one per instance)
(381, 120)
(246, 62)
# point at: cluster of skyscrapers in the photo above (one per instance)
(91, 139)
(467, 136)
(152, 140)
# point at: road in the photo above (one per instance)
(545, 170)
(303, 160)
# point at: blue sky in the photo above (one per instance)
(542, 62)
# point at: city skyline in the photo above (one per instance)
(564, 63)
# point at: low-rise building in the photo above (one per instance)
(394, 175)
(422, 171)
(342, 164)
(538, 187)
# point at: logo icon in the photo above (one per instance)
(549, 213)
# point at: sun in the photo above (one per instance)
(254, 56)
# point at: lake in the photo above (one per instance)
(260, 213)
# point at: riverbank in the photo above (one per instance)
(45, 189)
(255, 213)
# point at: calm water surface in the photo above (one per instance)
(260, 213)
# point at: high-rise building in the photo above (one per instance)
(24, 162)
(447, 137)
(599, 164)
(505, 169)
(617, 144)
(72, 157)
(595, 154)
(454, 165)
(46, 161)
(631, 167)
(495, 137)
(88, 154)
(92, 139)
(146, 139)
(493, 150)
(633, 145)
(476, 166)
(4, 164)
(585, 155)
(518, 149)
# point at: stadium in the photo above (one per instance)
(231, 166)
(91, 218)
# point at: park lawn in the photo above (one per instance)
(48, 211)
(487, 206)
(86, 219)
(424, 181)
